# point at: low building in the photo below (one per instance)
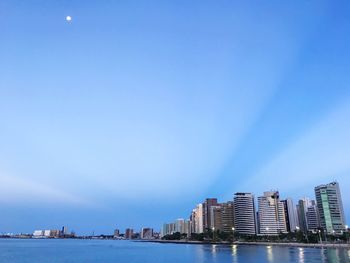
(147, 233)
(129, 233)
(38, 233)
(116, 233)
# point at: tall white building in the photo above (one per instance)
(197, 219)
(271, 214)
(244, 214)
(180, 225)
(167, 229)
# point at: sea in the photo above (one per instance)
(76, 250)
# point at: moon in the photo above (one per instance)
(68, 18)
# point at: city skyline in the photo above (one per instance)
(112, 111)
(265, 215)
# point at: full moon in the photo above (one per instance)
(68, 18)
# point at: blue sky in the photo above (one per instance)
(135, 111)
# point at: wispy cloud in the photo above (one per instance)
(19, 190)
(320, 155)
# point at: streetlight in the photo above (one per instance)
(347, 233)
(267, 235)
(319, 233)
(233, 233)
(213, 232)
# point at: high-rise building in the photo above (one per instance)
(167, 229)
(129, 233)
(197, 219)
(183, 226)
(187, 229)
(302, 206)
(330, 208)
(313, 222)
(208, 203)
(291, 218)
(180, 226)
(307, 215)
(271, 214)
(227, 216)
(244, 214)
(215, 217)
(146, 233)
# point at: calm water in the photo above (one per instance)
(124, 251)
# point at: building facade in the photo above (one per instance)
(272, 220)
(227, 220)
(129, 233)
(290, 215)
(330, 208)
(146, 233)
(197, 219)
(244, 214)
(312, 218)
(208, 203)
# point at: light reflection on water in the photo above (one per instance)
(234, 253)
(19, 251)
(269, 254)
(277, 254)
(301, 255)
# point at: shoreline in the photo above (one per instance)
(192, 242)
(301, 245)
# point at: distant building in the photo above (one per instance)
(312, 218)
(38, 233)
(54, 233)
(290, 215)
(330, 208)
(197, 219)
(244, 214)
(180, 225)
(187, 227)
(208, 203)
(302, 206)
(47, 233)
(146, 233)
(116, 233)
(129, 233)
(271, 214)
(227, 210)
(167, 229)
(216, 217)
(64, 231)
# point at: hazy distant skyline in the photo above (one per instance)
(134, 111)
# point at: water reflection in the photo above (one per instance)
(234, 254)
(214, 250)
(337, 255)
(301, 255)
(269, 254)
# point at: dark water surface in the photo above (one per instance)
(66, 250)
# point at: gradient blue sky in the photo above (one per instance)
(135, 111)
